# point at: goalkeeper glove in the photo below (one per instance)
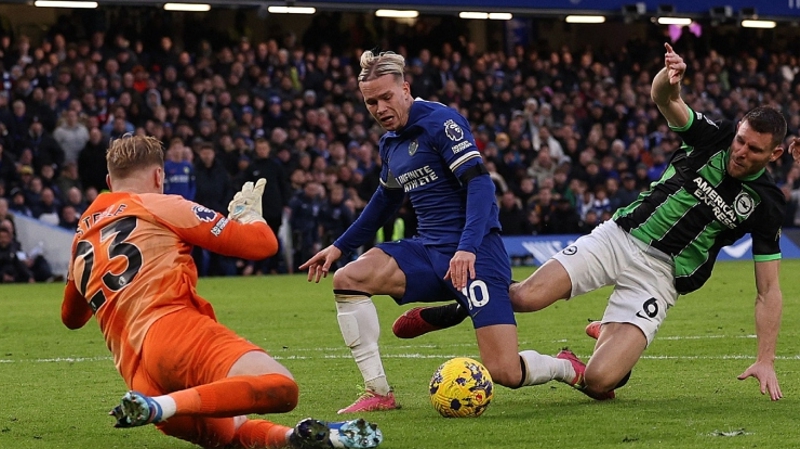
(246, 204)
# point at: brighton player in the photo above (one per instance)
(429, 154)
(190, 376)
(715, 190)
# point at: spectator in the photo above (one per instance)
(533, 223)
(337, 214)
(544, 206)
(628, 192)
(214, 190)
(590, 222)
(511, 215)
(18, 125)
(19, 205)
(543, 167)
(92, 168)
(69, 218)
(8, 168)
(305, 221)
(612, 191)
(45, 149)
(74, 199)
(47, 175)
(90, 194)
(642, 177)
(12, 269)
(67, 180)
(526, 191)
(34, 260)
(71, 135)
(179, 176)
(659, 165)
(47, 208)
(601, 202)
(276, 194)
(564, 219)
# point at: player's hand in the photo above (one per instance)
(676, 68)
(794, 149)
(245, 207)
(462, 269)
(768, 380)
(319, 265)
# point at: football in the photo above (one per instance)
(461, 387)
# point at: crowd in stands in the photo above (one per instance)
(568, 134)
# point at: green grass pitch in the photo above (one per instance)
(56, 385)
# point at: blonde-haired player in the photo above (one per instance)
(192, 377)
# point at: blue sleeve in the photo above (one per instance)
(380, 208)
(480, 197)
(457, 147)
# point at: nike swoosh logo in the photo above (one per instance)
(738, 250)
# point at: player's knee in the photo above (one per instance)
(348, 277)
(599, 381)
(505, 374)
(525, 296)
(280, 394)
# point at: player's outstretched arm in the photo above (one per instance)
(769, 304)
(666, 89)
(245, 234)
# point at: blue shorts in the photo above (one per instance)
(486, 296)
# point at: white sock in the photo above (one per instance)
(168, 407)
(544, 368)
(358, 321)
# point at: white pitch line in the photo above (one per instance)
(407, 356)
(703, 337)
(521, 343)
(435, 356)
(59, 360)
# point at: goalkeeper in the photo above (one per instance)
(193, 378)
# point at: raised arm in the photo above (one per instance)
(666, 89)
(769, 304)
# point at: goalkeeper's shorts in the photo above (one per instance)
(185, 349)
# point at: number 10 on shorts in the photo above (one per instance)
(477, 294)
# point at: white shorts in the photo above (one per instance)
(643, 276)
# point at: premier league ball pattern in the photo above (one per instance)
(461, 387)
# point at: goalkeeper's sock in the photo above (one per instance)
(238, 395)
(543, 368)
(358, 321)
(262, 433)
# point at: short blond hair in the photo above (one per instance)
(385, 63)
(130, 153)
